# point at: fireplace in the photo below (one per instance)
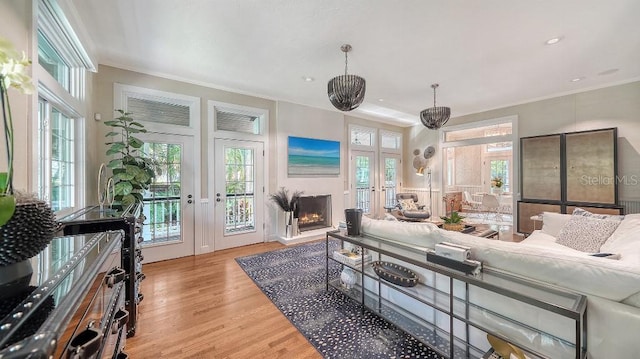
(315, 212)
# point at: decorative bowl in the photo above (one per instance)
(394, 273)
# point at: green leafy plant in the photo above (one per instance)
(453, 218)
(12, 74)
(133, 170)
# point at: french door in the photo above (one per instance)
(374, 183)
(239, 193)
(168, 230)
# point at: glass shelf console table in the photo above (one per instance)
(452, 312)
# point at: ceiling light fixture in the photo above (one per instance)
(577, 79)
(435, 117)
(346, 92)
(308, 78)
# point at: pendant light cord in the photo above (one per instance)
(346, 61)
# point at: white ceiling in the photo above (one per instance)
(484, 54)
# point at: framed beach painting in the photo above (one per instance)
(309, 157)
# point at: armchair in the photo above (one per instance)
(408, 209)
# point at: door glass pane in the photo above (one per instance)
(390, 181)
(363, 183)
(62, 161)
(240, 190)
(162, 200)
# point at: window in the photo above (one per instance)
(390, 140)
(51, 61)
(500, 169)
(362, 136)
(56, 180)
(61, 61)
(501, 129)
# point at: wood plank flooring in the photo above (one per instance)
(207, 307)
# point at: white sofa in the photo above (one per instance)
(612, 286)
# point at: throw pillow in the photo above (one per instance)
(584, 212)
(586, 233)
(552, 223)
(408, 205)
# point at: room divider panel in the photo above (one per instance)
(560, 172)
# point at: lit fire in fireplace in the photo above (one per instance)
(311, 218)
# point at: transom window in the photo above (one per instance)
(53, 63)
(363, 136)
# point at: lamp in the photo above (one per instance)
(346, 92)
(435, 117)
(420, 163)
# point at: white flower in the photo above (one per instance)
(12, 68)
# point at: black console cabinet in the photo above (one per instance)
(94, 219)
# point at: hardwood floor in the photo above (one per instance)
(207, 307)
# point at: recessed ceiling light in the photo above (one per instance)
(553, 40)
(577, 79)
(381, 100)
(308, 78)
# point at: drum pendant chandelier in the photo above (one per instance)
(346, 92)
(435, 117)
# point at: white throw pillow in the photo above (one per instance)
(583, 212)
(552, 223)
(587, 233)
(408, 205)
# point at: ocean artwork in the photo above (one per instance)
(312, 157)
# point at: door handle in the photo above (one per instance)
(189, 201)
(218, 199)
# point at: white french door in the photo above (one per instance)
(363, 181)
(238, 193)
(375, 184)
(168, 230)
(390, 177)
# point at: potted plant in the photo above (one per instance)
(453, 222)
(133, 171)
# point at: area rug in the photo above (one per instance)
(294, 279)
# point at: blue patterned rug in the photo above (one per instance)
(294, 279)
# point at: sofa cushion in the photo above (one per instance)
(626, 239)
(552, 222)
(587, 233)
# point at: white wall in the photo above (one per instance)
(16, 20)
(616, 106)
(304, 121)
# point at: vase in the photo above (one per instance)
(348, 277)
(28, 232)
(294, 226)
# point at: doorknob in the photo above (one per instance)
(189, 201)
(218, 199)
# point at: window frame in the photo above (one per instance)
(52, 24)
